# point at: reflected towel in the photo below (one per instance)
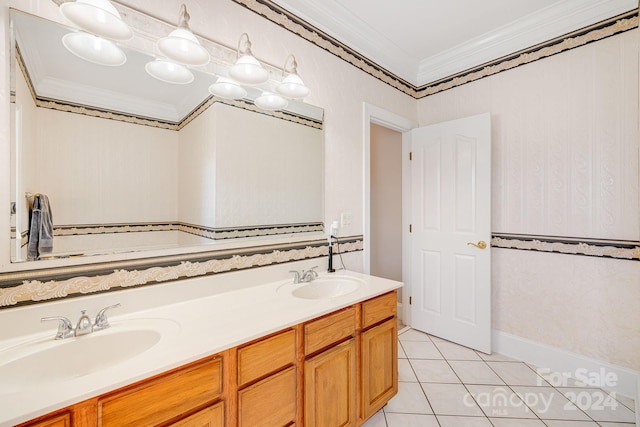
(40, 242)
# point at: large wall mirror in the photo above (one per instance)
(129, 163)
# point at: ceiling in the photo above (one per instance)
(422, 41)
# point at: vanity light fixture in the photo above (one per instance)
(247, 70)
(227, 88)
(181, 45)
(169, 72)
(97, 17)
(94, 49)
(270, 101)
(292, 85)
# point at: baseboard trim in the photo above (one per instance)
(563, 361)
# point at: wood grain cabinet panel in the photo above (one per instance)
(328, 330)
(379, 366)
(61, 420)
(266, 356)
(213, 416)
(330, 387)
(270, 402)
(378, 309)
(161, 399)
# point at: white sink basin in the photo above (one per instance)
(47, 360)
(325, 287)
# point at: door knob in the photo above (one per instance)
(481, 244)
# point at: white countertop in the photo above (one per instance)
(191, 329)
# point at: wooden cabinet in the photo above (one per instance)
(212, 416)
(330, 387)
(59, 420)
(328, 330)
(378, 353)
(379, 366)
(272, 400)
(164, 398)
(333, 371)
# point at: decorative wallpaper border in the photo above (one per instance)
(28, 287)
(198, 230)
(302, 28)
(619, 249)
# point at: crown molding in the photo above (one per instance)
(558, 19)
(351, 30)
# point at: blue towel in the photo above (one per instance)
(40, 242)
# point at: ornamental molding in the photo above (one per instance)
(43, 289)
(599, 248)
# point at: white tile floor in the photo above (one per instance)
(442, 384)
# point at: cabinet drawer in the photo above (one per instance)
(330, 329)
(379, 308)
(158, 400)
(213, 416)
(270, 402)
(264, 357)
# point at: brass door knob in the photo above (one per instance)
(481, 244)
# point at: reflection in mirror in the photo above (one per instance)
(129, 163)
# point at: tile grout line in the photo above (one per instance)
(546, 385)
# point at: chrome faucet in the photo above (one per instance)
(304, 276)
(84, 325)
(309, 275)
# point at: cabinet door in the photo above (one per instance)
(270, 402)
(379, 375)
(213, 416)
(330, 387)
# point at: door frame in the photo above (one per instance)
(387, 119)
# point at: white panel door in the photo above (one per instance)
(451, 230)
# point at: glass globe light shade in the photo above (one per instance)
(94, 49)
(271, 102)
(227, 89)
(169, 72)
(98, 17)
(182, 46)
(293, 87)
(247, 70)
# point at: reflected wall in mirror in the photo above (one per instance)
(121, 181)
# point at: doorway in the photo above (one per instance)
(385, 122)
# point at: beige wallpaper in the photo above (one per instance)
(565, 158)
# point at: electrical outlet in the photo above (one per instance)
(345, 219)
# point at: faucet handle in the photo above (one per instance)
(312, 271)
(65, 328)
(101, 318)
(296, 276)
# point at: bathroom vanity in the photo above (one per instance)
(258, 356)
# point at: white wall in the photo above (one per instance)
(197, 168)
(268, 171)
(565, 158)
(106, 171)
